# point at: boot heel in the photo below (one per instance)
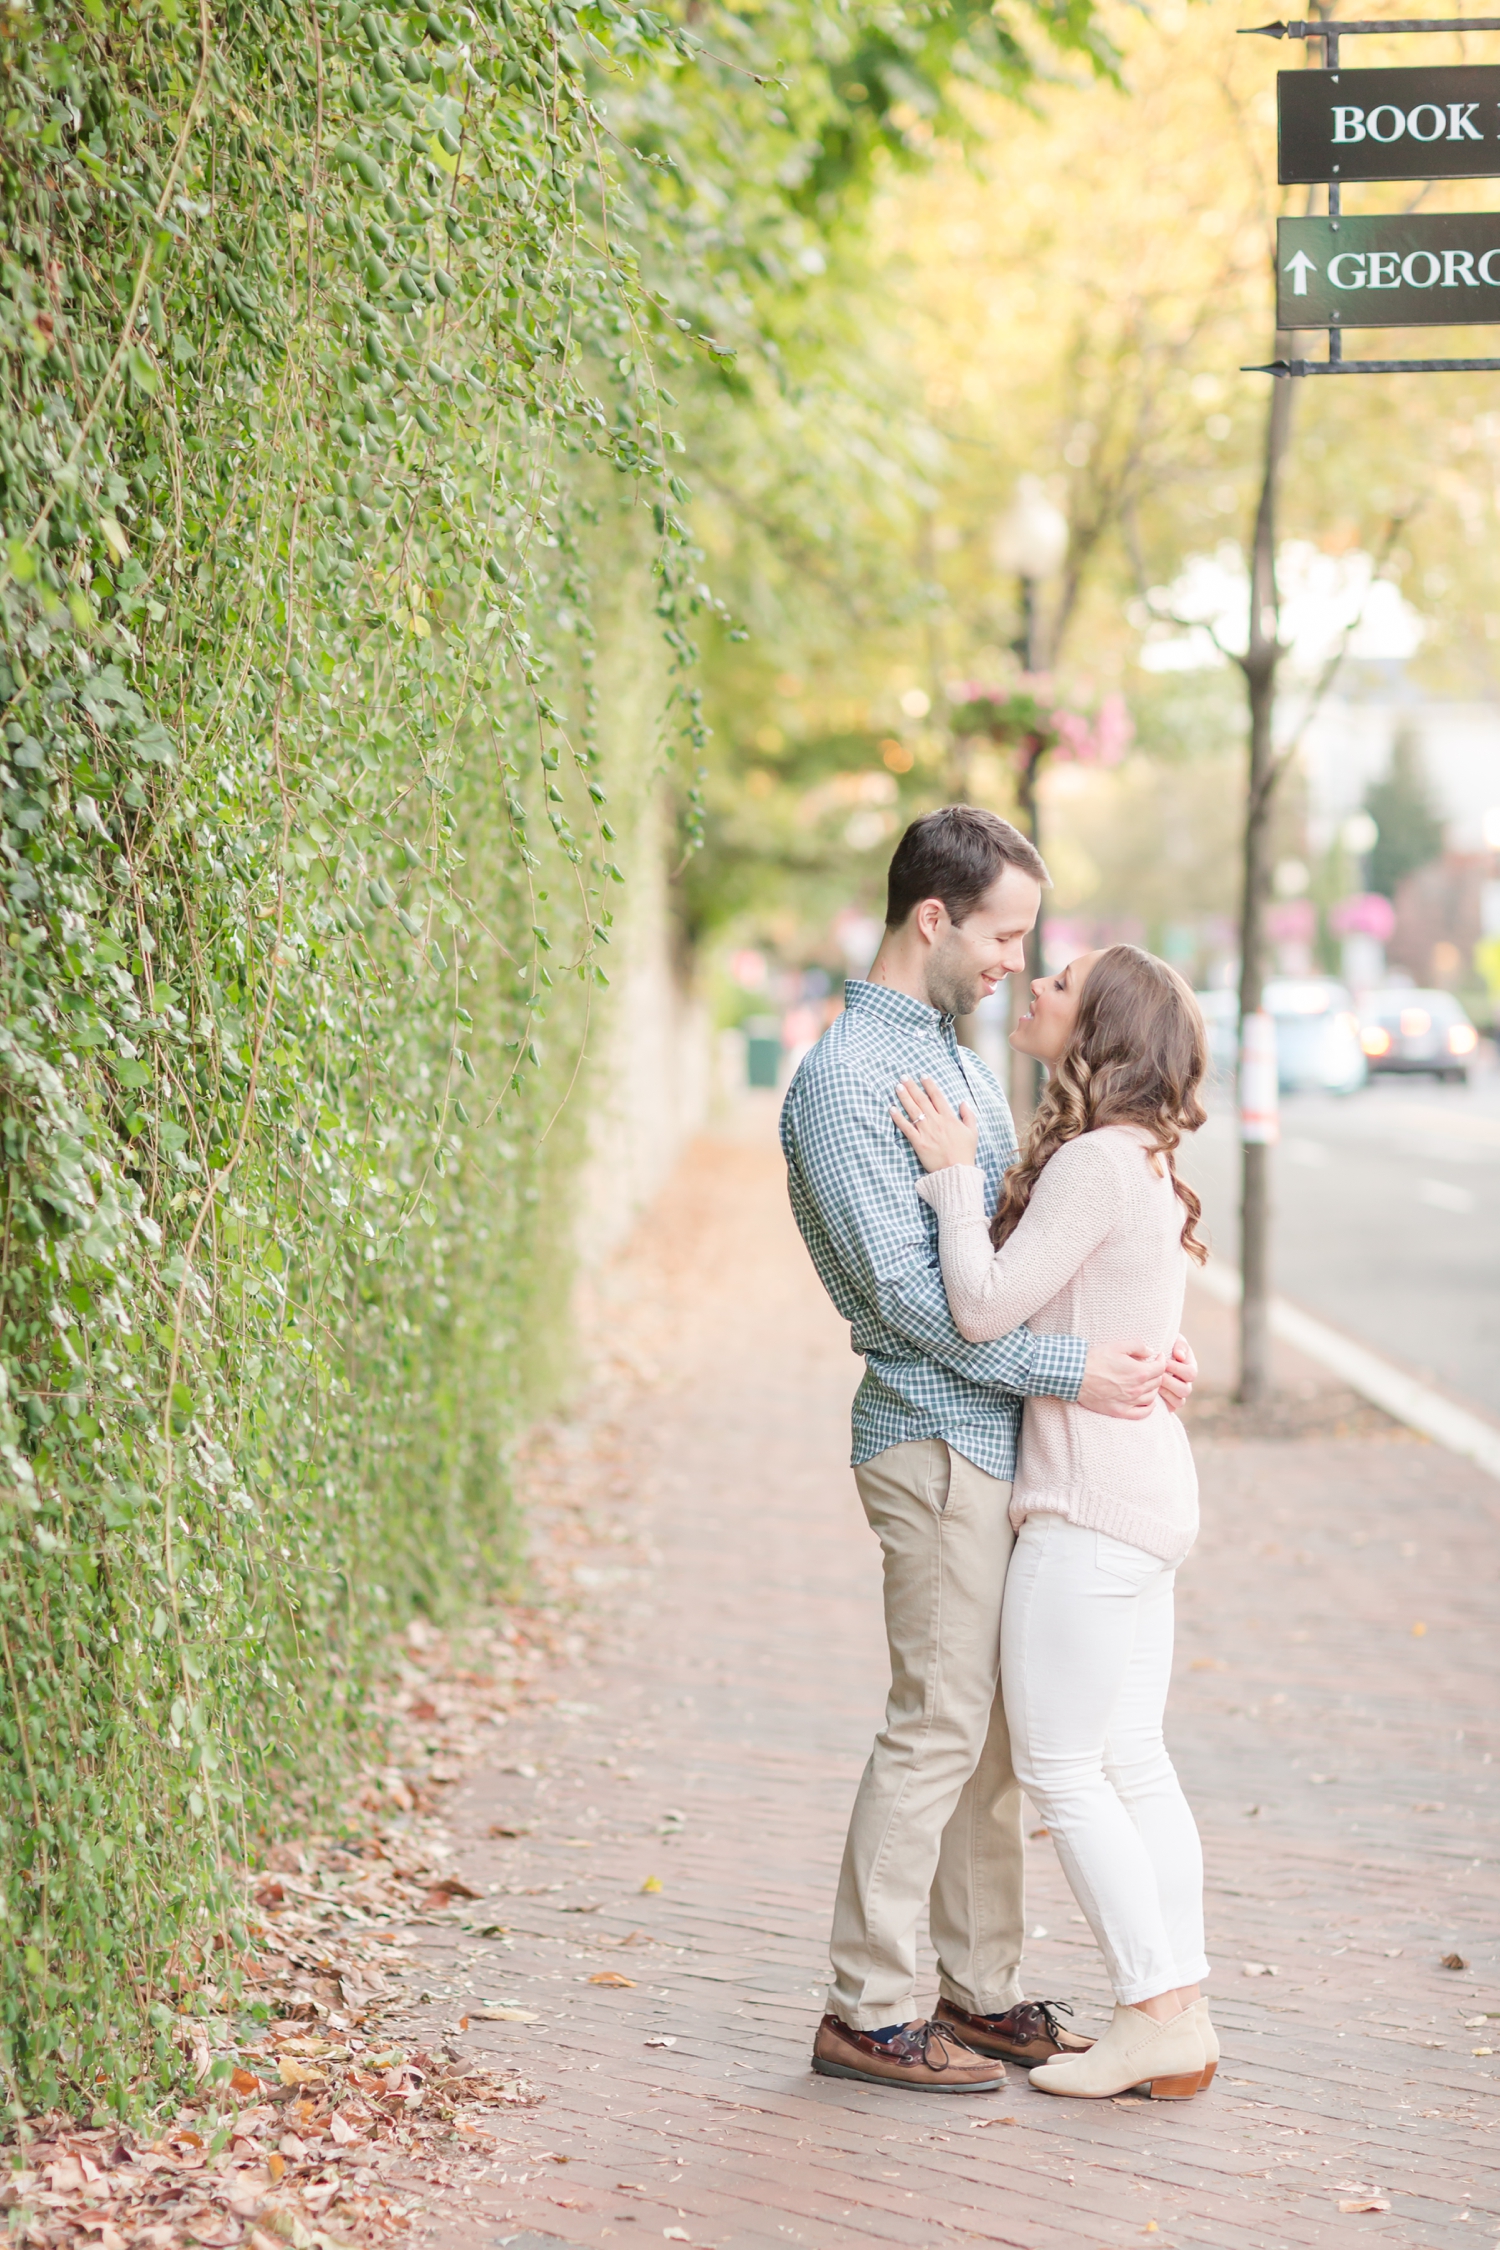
(1175, 2089)
(1208, 2078)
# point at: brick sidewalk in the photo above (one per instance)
(1333, 1717)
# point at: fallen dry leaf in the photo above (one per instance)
(455, 1887)
(1363, 2203)
(1454, 1961)
(661, 2042)
(503, 2015)
(675, 2234)
(652, 1883)
(1259, 1969)
(612, 1976)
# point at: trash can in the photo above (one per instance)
(762, 1051)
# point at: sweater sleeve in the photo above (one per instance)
(851, 1183)
(1072, 1207)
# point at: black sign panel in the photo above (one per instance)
(1438, 124)
(1388, 273)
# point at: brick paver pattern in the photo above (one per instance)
(1333, 1716)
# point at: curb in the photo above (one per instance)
(1375, 1378)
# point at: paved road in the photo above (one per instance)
(1387, 1220)
(661, 1829)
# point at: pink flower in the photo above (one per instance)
(1102, 740)
(1075, 736)
(1292, 921)
(1365, 915)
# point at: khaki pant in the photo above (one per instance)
(938, 1816)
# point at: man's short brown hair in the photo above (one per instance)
(955, 854)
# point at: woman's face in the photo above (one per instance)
(1047, 1025)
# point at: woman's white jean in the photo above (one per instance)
(1085, 1660)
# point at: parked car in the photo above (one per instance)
(1318, 1047)
(1221, 1019)
(1408, 1029)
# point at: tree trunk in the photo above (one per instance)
(1262, 657)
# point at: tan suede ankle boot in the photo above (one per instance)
(1167, 2058)
(1210, 2039)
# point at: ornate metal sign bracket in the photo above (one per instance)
(1331, 32)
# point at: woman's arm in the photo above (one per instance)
(1072, 1208)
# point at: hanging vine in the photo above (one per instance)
(310, 324)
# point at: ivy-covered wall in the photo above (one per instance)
(318, 369)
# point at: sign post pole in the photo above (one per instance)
(1335, 197)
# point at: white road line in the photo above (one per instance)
(1435, 1117)
(1375, 1378)
(1443, 1196)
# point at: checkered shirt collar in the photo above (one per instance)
(898, 1010)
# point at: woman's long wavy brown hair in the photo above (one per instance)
(1137, 1056)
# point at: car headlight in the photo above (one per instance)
(1462, 1039)
(1375, 1040)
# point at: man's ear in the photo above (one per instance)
(930, 917)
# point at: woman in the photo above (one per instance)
(1092, 1238)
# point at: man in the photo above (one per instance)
(938, 1814)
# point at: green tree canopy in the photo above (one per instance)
(1410, 829)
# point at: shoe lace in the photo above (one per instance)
(1047, 2013)
(925, 2043)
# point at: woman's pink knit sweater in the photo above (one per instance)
(1098, 1253)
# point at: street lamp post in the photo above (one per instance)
(1030, 543)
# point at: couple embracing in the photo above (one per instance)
(1019, 1457)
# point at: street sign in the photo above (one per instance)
(1418, 124)
(1388, 272)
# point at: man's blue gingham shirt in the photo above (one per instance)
(853, 1182)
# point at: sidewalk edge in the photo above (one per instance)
(1365, 1371)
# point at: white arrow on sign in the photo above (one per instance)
(1299, 268)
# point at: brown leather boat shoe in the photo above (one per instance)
(921, 2055)
(1028, 2034)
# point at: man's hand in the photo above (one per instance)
(1121, 1383)
(1181, 1375)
